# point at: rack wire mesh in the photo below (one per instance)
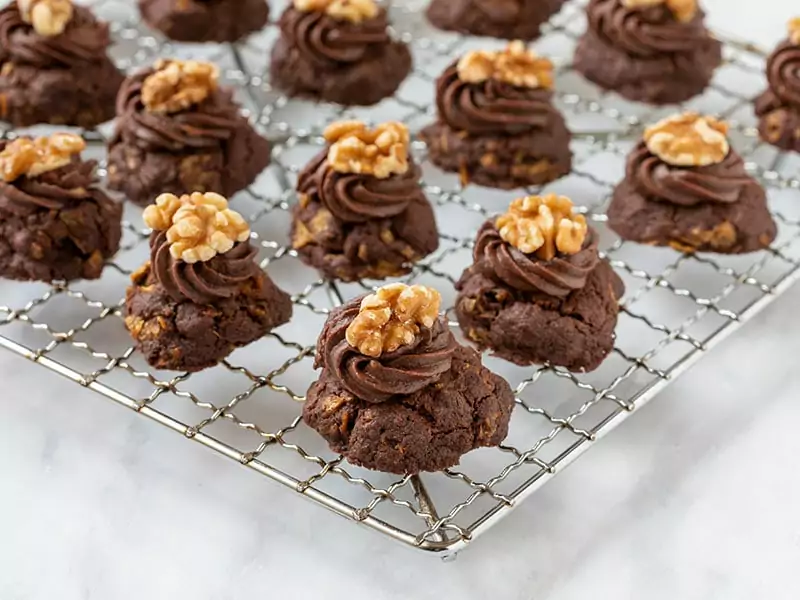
(248, 408)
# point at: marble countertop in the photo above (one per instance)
(705, 507)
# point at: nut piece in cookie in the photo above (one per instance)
(56, 223)
(205, 20)
(685, 187)
(202, 293)
(338, 51)
(778, 108)
(396, 392)
(478, 137)
(508, 19)
(361, 212)
(655, 51)
(54, 66)
(180, 132)
(537, 291)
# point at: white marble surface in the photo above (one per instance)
(96, 502)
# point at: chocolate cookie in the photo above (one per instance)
(356, 219)
(55, 222)
(509, 19)
(403, 407)
(537, 291)
(195, 301)
(778, 108)
(496, 123)
(54, 68)
(656, 53)
(711, 207)
(347, 58)
(205, 20)
(164, 143)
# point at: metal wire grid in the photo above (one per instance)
(248, 408)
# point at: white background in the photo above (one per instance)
(705, 508)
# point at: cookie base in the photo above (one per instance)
(209, 21)
(184, 336)
(376, 249)
(463, 16)
(667, 79)
(358, 84)
(142, 176)
(469, 407)
(575, 332)
(778, 124)
(82, 97)
(737, 228)
(501, 161)
(48, 245)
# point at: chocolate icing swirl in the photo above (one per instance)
(202, 282)
(355, 198)
(326, 40)
(53, 190)
(498, 11)
(84, 40)
(687, 186)
(527, 273)
(645, 32)
(402, 372)
(210, 124)
(783, 73)
(491, 106)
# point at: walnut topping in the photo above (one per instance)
(794, 30)
(175, 85)
(515, 65)
(31, 157)
(347, 10)
(543, 225)
(688, 140)
(392, 317)
(199, 226)
(683, 10)
(48, 17)
(380, 152)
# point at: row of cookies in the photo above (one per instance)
(362, 214)
(54, 69)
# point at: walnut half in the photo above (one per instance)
(176, 85)
(346, 10)
(515, 65)
(688, 140)
(794, 30)
(199, 226)
(380, 152)
(48, 17)
(32, 157)
(392, 317)
(543, 225)
(683, 10)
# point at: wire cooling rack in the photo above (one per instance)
(248, 408)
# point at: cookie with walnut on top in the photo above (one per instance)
(55, 68)
(202, 294)
(396, 392)
(496, 124)
(205, 20)
(56, 223)
(538, 291)
(179, 132)
(656, 51)
(685, 187)
(338, 51)
(778, 108)
(361, 211)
